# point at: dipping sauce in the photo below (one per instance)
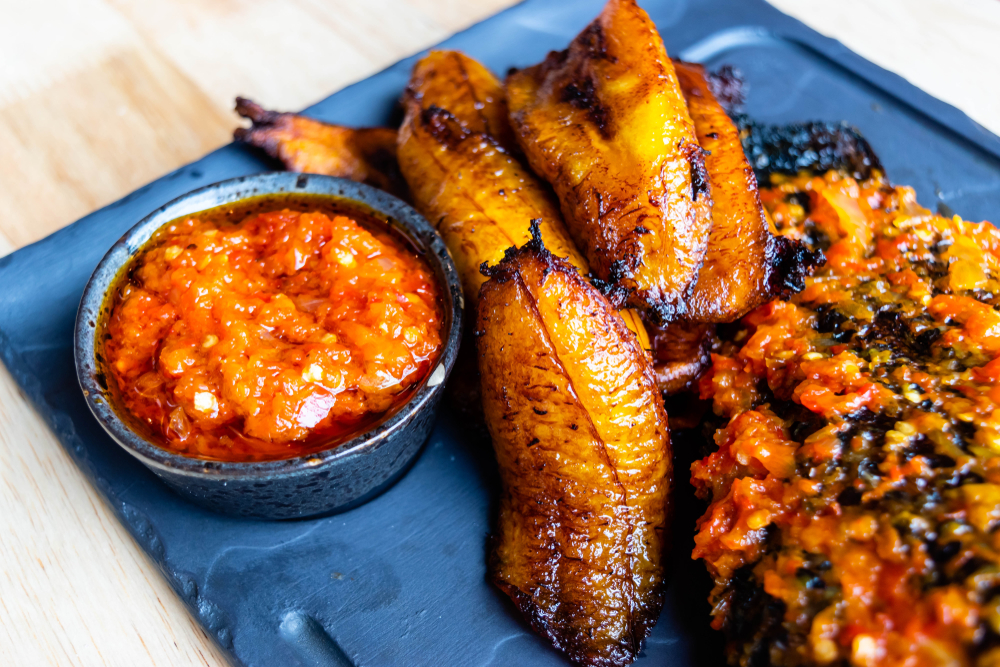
(271, 328)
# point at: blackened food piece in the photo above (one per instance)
(729, 88)
(755, 622)
(815, 146)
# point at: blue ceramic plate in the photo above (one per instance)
(401, 580)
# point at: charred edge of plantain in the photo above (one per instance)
(681, 353)
(261, 120)
(620, 270)
(728, 87)
(695, 155)
(539, 621)
(667, 312)
(255, 113)
(612, 288)
(790, 262)
(506, 268)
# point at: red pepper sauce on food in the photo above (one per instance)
(271, 329)
(855, 491)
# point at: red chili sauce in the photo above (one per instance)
(271, 329)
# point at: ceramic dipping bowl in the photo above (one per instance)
(333, 479)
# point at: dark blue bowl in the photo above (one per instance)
(333, 479)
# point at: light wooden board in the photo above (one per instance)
(98, 97)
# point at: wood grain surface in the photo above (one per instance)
(98, 97)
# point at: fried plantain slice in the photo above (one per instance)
(455, 152)
(746, 264)
(606, 124)
(367, 155)
(583, 448)
(481, 199)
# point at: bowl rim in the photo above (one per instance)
(416, 227)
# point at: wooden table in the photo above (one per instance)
(98, 97)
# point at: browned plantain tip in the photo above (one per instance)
(261, 119)
(536, 236)
(257, 114)
(536, 246)
(728, 86)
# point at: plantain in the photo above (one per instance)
(367, 155)
(581, 439)
(746, 264)
(463, 178)
(467, 89)
(606, 124)
(681, 353)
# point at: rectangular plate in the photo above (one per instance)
(401, 580)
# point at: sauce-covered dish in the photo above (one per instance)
(270, 329)
(273, 346)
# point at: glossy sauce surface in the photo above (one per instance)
(271, 329)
